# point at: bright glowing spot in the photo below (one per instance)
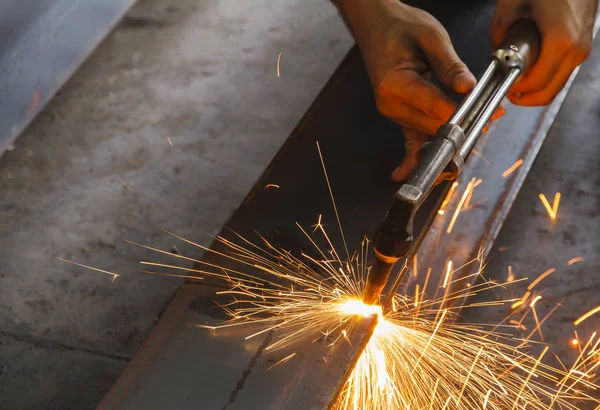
(535, 300)
(271, 186)
(357, 307)
(574, 342)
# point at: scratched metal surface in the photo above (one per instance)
(345, 122)
(42, 42)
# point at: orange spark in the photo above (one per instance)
(448, 272)
(574, 342)
(271, 186)
(534, 301)
(170, 142)
(468, 201)
(480, 156)
(587, 315)
(504, 248)
(511, 277)
(512, 168)
(540, 278)
(552, 210)
(285, 359)
(415, 266)
(127, 186)
(460, 204)
(575, 260)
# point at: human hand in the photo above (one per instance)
(402, 46)
(566, 27)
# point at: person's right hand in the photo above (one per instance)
(401, 46)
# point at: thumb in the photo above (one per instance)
(414, 141)
(446, 64)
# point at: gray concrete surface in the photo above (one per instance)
(201, 73)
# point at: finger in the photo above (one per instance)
(506, 13)
(410, 117)
(445, 63)
(414, 141)
(423, 95)
(545, 96)
(543, 72)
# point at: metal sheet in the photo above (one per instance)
(41, 44)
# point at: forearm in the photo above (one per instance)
(359, 14)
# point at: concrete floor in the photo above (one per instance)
(201, 73)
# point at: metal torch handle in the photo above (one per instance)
(517, 53)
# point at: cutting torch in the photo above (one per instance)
(443, 158)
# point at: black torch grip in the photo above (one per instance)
(524, 39)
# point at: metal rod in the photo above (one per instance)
(474, 132)
(473, 97)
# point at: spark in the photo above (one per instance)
(552, 210)
(126, 186)
(285, 359)
(278, 64)
(535, 300)
(503, 248)
(587, 315)
(512, 168)
(114, 275)
(417, 295)
(170, 142)
(540, 278)
(575, 260)
(271, 186)
(448, 274)
(415, 266)
(511, 276)
(460, 205)
(574, 342)
(479, 155)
